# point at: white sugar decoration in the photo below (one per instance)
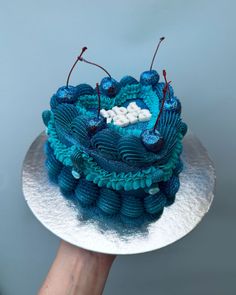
(104, 113)
(122, 116)
(144, 115)
(111, 113)
(121, 121)
(132, 119)
(109, 120)
(123, 110)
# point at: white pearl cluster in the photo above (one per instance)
(122, 116)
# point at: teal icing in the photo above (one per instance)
(127, 181)
(121, 180)
(109, 201)
(91, 101)
(128, 92)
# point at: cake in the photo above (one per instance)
(114, 149)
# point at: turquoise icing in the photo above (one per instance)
(144, 182)
(128, 181)
(133, 207)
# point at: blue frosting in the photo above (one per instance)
(116, 168)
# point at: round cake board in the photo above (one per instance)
(62, 217)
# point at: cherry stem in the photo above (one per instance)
(99, 99)
(92, 63)
(78, 58)
(165, 89)
(154, 56)
(167, 83)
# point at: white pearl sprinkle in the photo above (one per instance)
(104, 113)
(75, 174)
(122, 116)
(153, 190)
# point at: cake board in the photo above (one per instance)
(62, 217)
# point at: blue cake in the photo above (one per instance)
(114, 149)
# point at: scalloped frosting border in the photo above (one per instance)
(127, 181)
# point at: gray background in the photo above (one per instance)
(39, 42)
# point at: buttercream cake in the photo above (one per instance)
(114, 148)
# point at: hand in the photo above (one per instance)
(76, 271)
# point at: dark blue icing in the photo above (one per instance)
(53, 102)
(46, 116)
(86, 192)
(132, 152)
(132, 206)
(114, 151)
(128, 80)
(79, 130)
(171, 186)
(178, 168)
(184, 128)
(84, 89)
(106, 141)
(112, 165)
(64, 115)
(77, 160)
(66, 181)
(155, 203)
(109, 201)
(53, 166)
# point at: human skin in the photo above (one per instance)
(76, 271)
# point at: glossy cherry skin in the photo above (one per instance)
(109, 87)
(67, 94)
(172, 104)
(149, 78)
(152, 140)
(96, 124)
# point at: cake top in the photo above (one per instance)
(125, 135)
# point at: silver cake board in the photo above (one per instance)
(62, 217)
